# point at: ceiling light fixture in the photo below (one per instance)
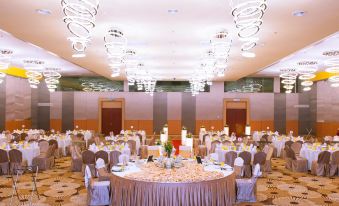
(248, 19)
(80, 21)
(43, 11)
(115, 44)
(299, 13)
(5, 61)
(52, 77)
(172, 11)
(33, 68)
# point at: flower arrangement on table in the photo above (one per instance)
(168, 147)
(189, 135)
(184, 128)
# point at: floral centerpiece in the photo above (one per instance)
(168, 147)
(189, 135)
(184, 128)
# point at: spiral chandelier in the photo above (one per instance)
(306, 74)
(332, 65)
(5, 61)
(248, 16)
(115, 44)
(52, 77)
(80, 21)
(221, 44)
(34, 70)
(289, 79)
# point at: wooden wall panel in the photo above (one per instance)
(129, 123)
(17, 124)
(292, 125)
(174, 127)
(56, 124)
(146, 125)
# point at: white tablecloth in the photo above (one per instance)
(310, 155)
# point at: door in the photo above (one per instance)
(236, 120)
(111, 120)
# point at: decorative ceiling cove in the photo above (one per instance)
(170, 37)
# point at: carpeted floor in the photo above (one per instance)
(280, 187)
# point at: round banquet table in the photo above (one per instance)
(311, 155)
(213, 192)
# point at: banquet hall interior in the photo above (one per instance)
(169, 103)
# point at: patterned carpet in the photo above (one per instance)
(280, 187)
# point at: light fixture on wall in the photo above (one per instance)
(34, 70)
(115, 43)
(248, 130)
(5, 61)
(52, 77)
(248, 16)
(80, 21)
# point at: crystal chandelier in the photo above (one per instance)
(52, 77)
(221, 44)
(131, 64)
(115, 44)
(80, 21)
(33, 69)
(5, 61)
(248, 16)
(198, 81)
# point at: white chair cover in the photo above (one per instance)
(88, 176)
(239, 162)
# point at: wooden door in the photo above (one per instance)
(111, 120)
(236, 120)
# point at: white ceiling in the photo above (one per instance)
(171, 44)
(313, 52)
(24, 50)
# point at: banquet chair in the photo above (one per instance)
(23, 136)
(140, 138)
(246, 156)
(196, 142)
(97, 191)
(226, 142)
(230, 158)
(268, 163)
(45, 161)
(103, 155)
(214, 145)
(247, 188)
(58, 150)
(120, 141)
(321, 166)
(334, 165)
(102, 173)
(296, 147)
(114, 158)
(153, 150)
(202, 151)
(151, 141)
(283, 151)
(143, 152)
(43, 145)
(204, 138)
(132, 145)
(185, 151)
(238, 167)
(295, 163)
(16, 137)
(259, 158)
(88, 159)
(76, 163)
(15, 160)
(4, 162)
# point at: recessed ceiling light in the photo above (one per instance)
(248, 54)
(172, 11)
(299, 13)
(43, 11)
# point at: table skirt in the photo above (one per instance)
(217, 192)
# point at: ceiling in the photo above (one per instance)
(24, 50)
(312, 53)
(171, 44)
